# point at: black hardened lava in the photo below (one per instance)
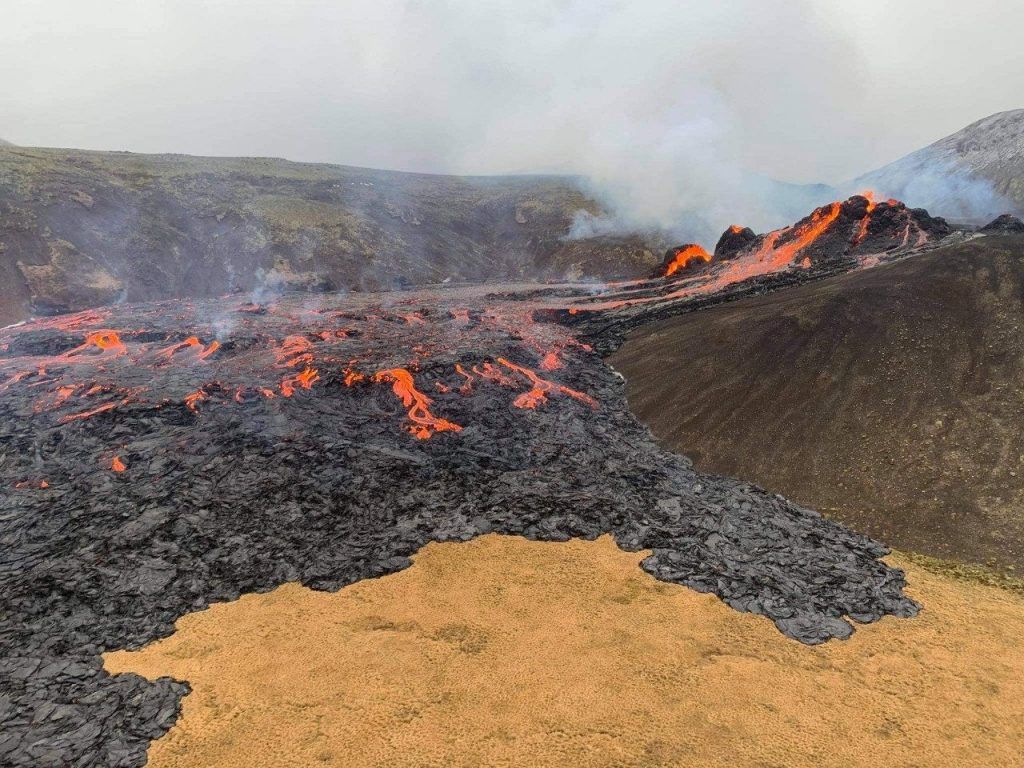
(259, 445)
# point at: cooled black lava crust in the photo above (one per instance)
(231, 487)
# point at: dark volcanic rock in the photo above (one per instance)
(305, 448)
(82, 229)
(687, 258)
(889, 398)
(1005, 223)
(732, 241)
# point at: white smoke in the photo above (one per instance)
(668, 107)
(928, 180)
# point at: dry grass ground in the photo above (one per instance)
(505, 652)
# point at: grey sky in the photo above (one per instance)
(654, 98)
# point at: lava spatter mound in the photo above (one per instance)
(158, 458)
(838, 237)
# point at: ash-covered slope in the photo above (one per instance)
(890, 398)
(80, 229)
(971, 175)
(156, 458)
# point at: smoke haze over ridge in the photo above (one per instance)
(666, 107)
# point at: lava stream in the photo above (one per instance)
(862, 230)
(105, 341)
(305, 379)
(542, 388)
(424, 423)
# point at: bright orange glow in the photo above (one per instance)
(304, 379)
(117, 465)
(862, 230)
(467, 385)
(424, 423)
(492, 373)
(353, 377)
(686, 256)
(193, 399)
(293, 351)
(806, 234)
(214, 346)
(193, 343)
(538, 394)
(551, 362)
(87, 414)
(105, 341)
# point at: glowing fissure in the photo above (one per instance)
(541, 388)
(105, 341)
(424, 423)
(305, 379)
(862, 230)
(195, 345)
(684, 257)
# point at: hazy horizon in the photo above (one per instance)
(664, 106)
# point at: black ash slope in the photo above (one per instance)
(230, 486)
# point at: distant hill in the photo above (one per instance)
(5, 143)
(81, 228)
(889, 398)
(971, 176)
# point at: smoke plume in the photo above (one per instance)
(678, 113)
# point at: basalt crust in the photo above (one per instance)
(158, 458)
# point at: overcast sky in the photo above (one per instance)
(619, 90)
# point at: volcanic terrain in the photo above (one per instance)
(969, 176)
(890, 398)
(160, 457)
(81, 229)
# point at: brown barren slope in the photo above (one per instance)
(507, 652)
(83, 229)
(891, 398)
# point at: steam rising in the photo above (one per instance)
(676, 112)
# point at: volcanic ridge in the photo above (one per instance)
(161, 457)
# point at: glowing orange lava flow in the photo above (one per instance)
(294, 350)
(106, 341)
(467, 385)
(686, 256)
(806, 234)
(551, 361)
(194, 398)
(542, 388)
(424, 423)
(214, 346)
(88, 414)
(117, 465)
(491, 372)
(193, 343)
(862, 230)
(305, 379)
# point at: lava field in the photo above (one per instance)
(157, 458)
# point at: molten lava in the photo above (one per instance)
(862, 230)
(294, 350)
(304, 379)
(542, 388)
(117, 465)
(684, 257)
(805, 235)
(424, 423)
(105, 341)
(193, 343)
